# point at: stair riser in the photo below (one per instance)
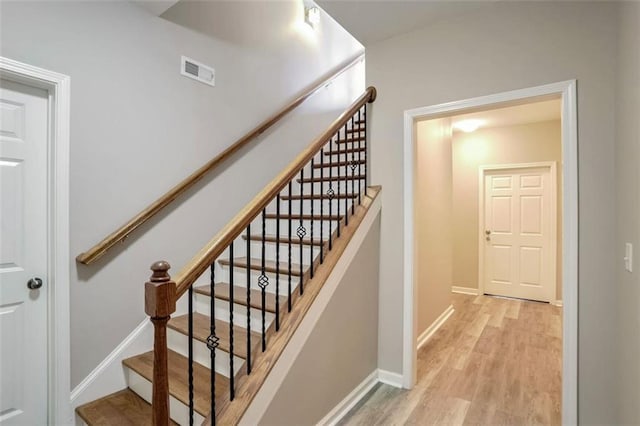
(179, 412)
(270, 251)
(335, 185)
(239, 313)
(240, 276)
(327, 227)
(319, 206)
(179, 342)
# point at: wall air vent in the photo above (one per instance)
(197, 71)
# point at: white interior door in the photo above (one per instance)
(23, 254)
(518, 242)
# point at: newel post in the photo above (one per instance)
(159, 304)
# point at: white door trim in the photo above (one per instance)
(567, 91)
(551, 165)
(58, 346)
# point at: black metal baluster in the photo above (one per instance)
(232, 389)
(190, 349)
(353, 167)
(278, 262)
(289, 246)
(312, 201)
(337, 162)
(321, 204)
(360, 161)
(301, 231)
(346, 174)
(212, 342)
(248, 273)
(263, 280)
(366, 150)
(330, 194)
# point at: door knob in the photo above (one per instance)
(487, 232)
(34, 283)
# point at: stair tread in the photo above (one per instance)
(240, 296)
(179, 379)
(345, 151)
(201, 324)
(270, 238)
(339, 163)
(269, 266)
(124, 408)
(304, 217)
(330, 178)
(318, 197)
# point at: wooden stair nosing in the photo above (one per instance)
(319, 197)
(179, 380)
(270, 266)
(296, 216)
(201, 330)
(338, 164)
(317, 179)
(124, 407)
(345, 151)
(222, 292)
(285, 240)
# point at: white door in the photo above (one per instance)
(518, 240)
(23, 254)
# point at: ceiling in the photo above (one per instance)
(371, 21)
(510, 116)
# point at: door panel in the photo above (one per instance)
(23, 254)
(519, 244)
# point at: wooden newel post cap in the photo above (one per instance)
(374, 94)
(160, 292)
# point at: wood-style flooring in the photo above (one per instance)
(495, 361)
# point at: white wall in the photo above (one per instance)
(509, 46)
(138, 127)
(628, 212)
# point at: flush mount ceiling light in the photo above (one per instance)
(468, 126)
(312, 15)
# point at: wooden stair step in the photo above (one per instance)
(350, 139)
(201, 330)
(269, 238)
(222, 292)
(345, 151)
(356, 129)
(338, 164)
(318, 197)
(269, 266)
(179, 379)
(316, 179)
(124, 408)
(297, 216)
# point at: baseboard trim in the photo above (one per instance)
(390, 378)
(108, 376)
(424, 337)
(344, 406)
(464, 290)
(557, 303)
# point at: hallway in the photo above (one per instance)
(494, 362)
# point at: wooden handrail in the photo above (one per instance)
(97, 251)
(209, 253)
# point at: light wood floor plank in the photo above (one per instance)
(496, 361)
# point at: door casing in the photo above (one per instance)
(551, 165)
(58, 339)
(567, 91)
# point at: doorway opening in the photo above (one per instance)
(505, 212)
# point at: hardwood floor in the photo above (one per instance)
(494, 362)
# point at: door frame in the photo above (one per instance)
(567, 90)
(551, 165)
(58, 330)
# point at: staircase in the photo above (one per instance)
(236, 316)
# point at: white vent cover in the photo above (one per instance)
(198, 71)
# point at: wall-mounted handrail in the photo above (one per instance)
(216, 246)
(98, 250)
